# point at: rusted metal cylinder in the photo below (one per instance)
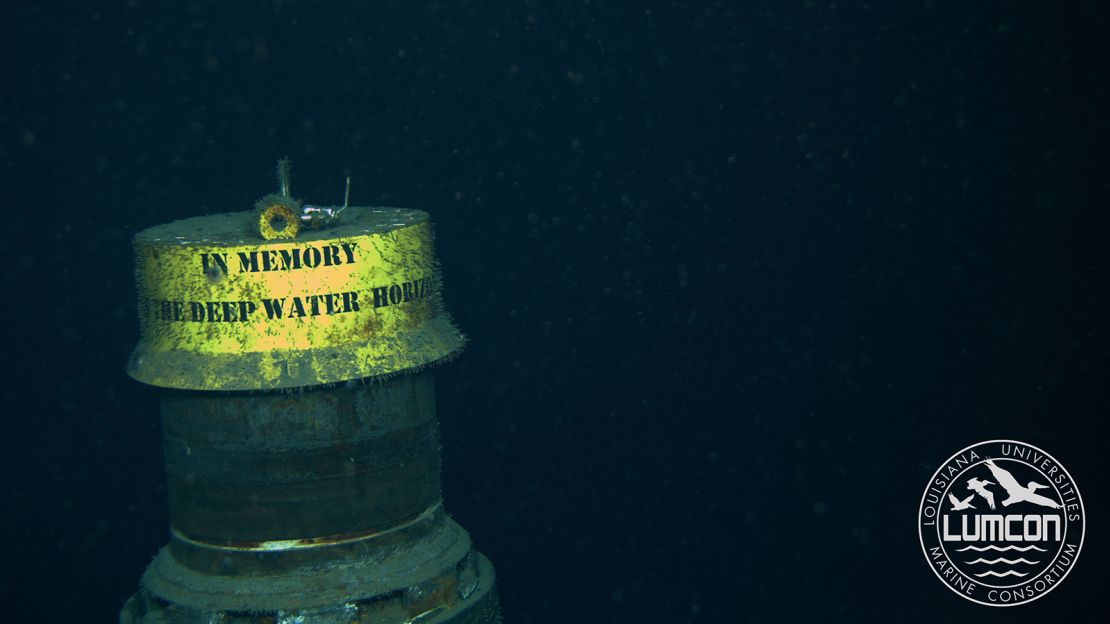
(321, 505)
(300, 436)
(329, 462)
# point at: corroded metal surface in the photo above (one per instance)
(284, 466)
(222, 309)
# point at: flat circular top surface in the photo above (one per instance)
(237, 228)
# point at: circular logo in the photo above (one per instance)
(1001, 523)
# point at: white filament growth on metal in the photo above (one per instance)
(284, 165)
(346, 197)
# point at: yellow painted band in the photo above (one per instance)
(346, 303)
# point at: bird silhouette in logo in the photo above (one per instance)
(1017, 492)
(960, 505)
(979, 486)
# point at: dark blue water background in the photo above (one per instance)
(736, 276)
